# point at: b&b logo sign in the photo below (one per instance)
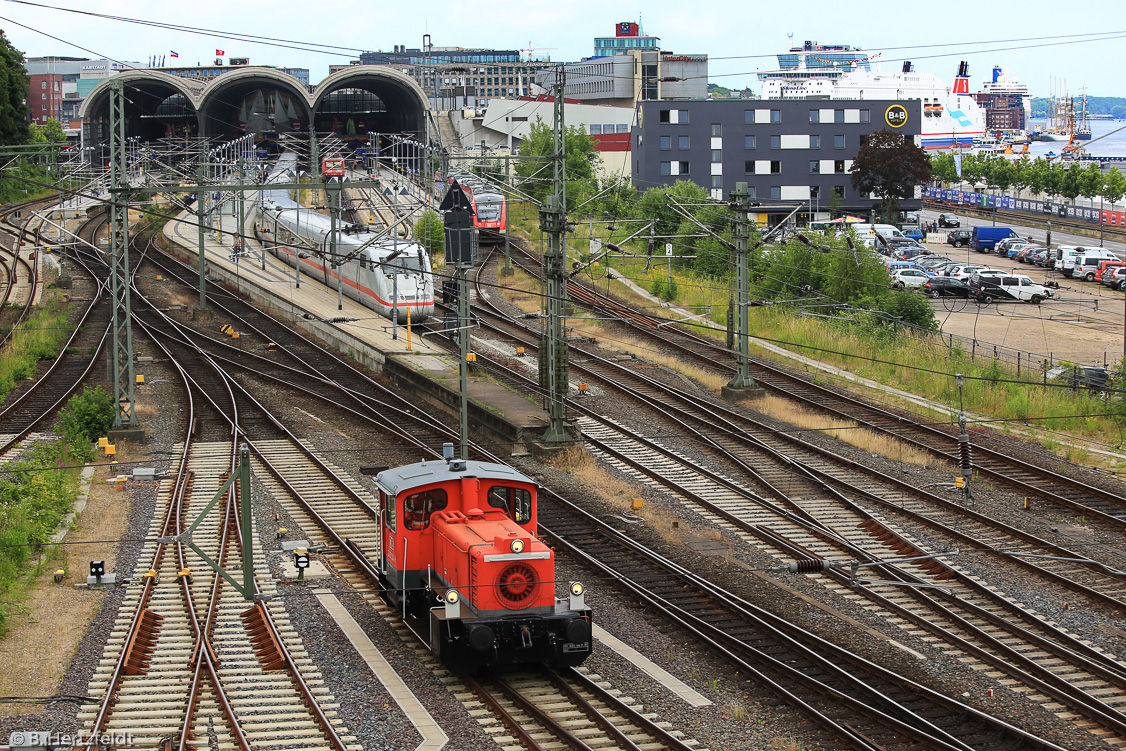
(896, 116)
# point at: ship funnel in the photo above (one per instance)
(962, 80)
(996, 73)
(908, 66)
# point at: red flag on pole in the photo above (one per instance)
(220, 53)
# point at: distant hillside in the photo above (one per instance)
(717, 91)
(1115, 106)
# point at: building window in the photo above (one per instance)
(717, 155)
(776, 192)
(750, 191)
(776, 142)
(666, 143)
(775, 116)
(815, 192)
(684, 168)
(776, 167)
(748, 142)
(665, 116)
(666, 168)
(717, 130)
(595, 130)
(748, 117)
(682, 142)
(623, 128)
(865, 116)
(815, 142)
(683, 117)
(838, 142)
(838, 116)
(838, 167)
(814, 166)
(815, 116)
(749, 167)
(717, 181)
(838, 191)
(43, 85)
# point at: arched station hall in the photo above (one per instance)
(268, 102)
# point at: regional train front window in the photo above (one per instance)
(516, 501)
(417, 507)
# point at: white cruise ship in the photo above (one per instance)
(951, 117)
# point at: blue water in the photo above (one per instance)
(1112, 145)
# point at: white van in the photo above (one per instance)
(1066, 256)
(867, 232)
(1086, 265)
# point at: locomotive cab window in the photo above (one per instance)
(387, 505)
(417, 507)
(516, 501)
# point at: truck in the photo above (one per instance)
(985, 239)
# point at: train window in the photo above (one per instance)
(389, 511)
(417, 507)
(516, 501)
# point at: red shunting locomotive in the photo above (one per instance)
(460, 559)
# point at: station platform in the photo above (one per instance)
(499, 419)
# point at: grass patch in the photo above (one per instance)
(38, 338)
(844, 430)
(38, 490)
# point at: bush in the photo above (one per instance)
(87, 416)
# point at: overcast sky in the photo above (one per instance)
(740, 37)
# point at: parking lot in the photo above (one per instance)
(1083, 323)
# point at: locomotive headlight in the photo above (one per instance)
(576, 600)
(516, 546)
(577, 588)
(451, 602)
(452, 596)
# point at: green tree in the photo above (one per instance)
(1114, 185)
(942, 167)
(535, 175)
(655, 204)
(14, 114)
(431, 233)
(49, 132)
(889, 166)
(1091, 181)
(1071, 185)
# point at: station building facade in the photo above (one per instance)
(785, 150)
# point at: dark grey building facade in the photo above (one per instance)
(785, 150)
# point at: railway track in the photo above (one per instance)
(990, 460)
(900, 727)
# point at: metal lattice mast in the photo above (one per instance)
(553, 346)
(125, 416)
(741, 384)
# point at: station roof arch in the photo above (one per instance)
(251, 99)
(148, 93)
(405, 103)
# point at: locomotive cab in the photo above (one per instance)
(461, 561)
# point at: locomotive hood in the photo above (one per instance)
(494, 563)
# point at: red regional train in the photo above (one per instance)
(490, 210)
(461, 560)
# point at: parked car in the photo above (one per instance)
(911, 217)
(1112, 277)
(1014, 248)
(1092, 377)
(1004, 245)
(944, 286)
(959, 238)
(894, 266)
(914, 233)
(1042, 257)
(1102, 270)
(1024, 255)
(961, 270)
(988, 288)
(932, 262)
(949, 220)
(909, 278)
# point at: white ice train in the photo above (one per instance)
(388, 275)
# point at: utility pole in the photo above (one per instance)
(553, 370)
(124, 416)
(201, 232)
(458, 224)
(742, 386)
(507, 270)
(333, 187)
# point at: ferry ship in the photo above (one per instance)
(951, 117)
(1006, 102)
